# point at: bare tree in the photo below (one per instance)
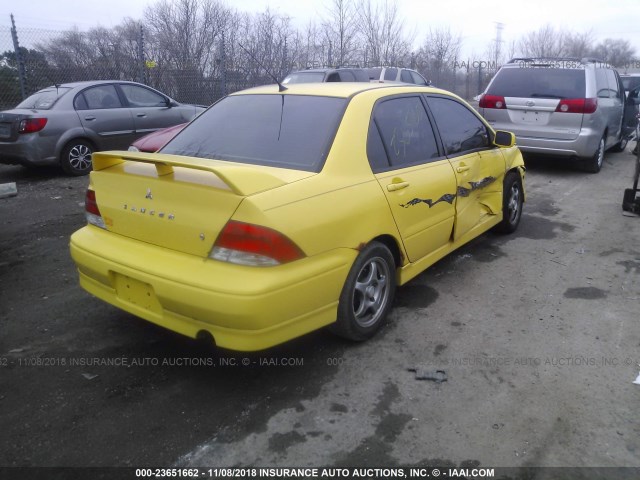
(544, 42)
(184, 36)
(383, 33)
(341, 29)
(617, 52)
(439, 54)
(578, 45)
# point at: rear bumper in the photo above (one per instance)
(584, 146)
(26, 150)
(244, 308)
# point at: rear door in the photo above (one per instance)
(149, 109)
(609, 105)
(413, 173)
(102, 113)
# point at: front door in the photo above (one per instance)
(478, 166)
(417, 180)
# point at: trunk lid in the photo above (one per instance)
(10, 123)
(180, 203)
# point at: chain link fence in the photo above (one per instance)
(34, 58)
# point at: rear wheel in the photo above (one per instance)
(620, 146)
(367, 294)
(594, 164)
(76, 157)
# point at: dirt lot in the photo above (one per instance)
(537, 332)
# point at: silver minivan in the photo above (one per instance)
(559, 107)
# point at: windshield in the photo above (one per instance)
(539, 82)
(304, 77)
(44, 99)
(289, 131)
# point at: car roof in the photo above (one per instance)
(339, 89)
(87, 83)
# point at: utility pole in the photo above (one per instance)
(16, 47)
(498, 43)
(141, 64)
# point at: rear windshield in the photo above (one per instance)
(288, 131)
(304, 77)
(44, 99)
(539, 82)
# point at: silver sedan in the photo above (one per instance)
(64, 124)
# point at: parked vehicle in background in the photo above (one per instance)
(396, 74)
(230, 232)
(560, 107)
(156, 140)
(64, 124)
(630, 81)
(339, 74)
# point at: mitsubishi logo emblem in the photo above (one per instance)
(149, 194)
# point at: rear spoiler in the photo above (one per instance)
(242, 180)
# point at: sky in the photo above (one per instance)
(475, 20)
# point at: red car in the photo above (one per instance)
(156, 140)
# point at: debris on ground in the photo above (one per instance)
(8, 190)
(637, 380)
(437, 376)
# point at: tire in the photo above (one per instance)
(367, 294)
(75, 158)
(512, 201)
(620, 146)
(594, 164)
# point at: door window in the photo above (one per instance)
(461, 130)
(401, 130)
(142, 97)
(100, 97)
(614, 86)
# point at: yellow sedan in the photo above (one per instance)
(281, 211)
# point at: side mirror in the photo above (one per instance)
(504, 139)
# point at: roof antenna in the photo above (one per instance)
(281, 87)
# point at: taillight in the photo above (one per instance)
(492, 101)
(92, 212)
(577, 105)
(31, 125)
(248, 244)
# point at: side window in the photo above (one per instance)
(142, 97)
(333, 77)
(417, 79)
(375, 149)
(405, 76)
(347, 77)
(460, 129)
(407, 135)
(602, 85)
(613, 84)
(102, 96)
(390, 73)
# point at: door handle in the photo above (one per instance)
(88, 119)
(462, 168)
(141, 115)
(392, 187)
